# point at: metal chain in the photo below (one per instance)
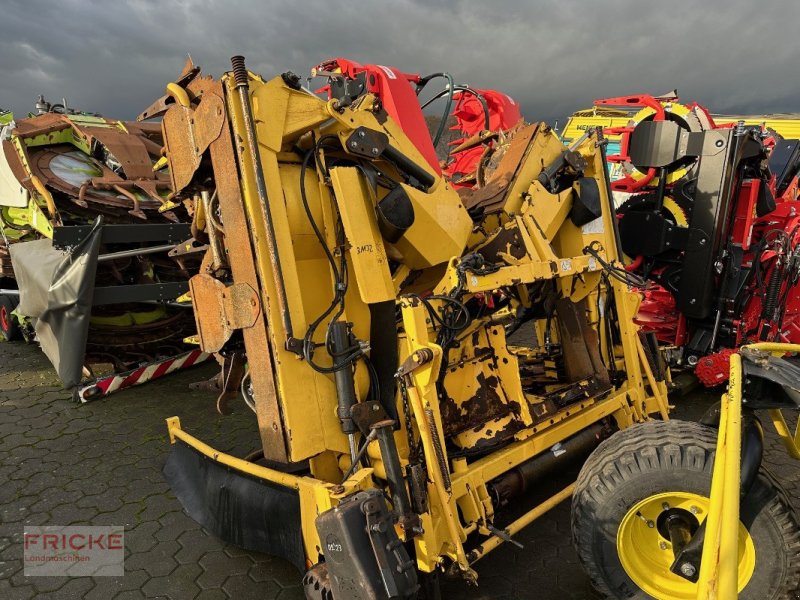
(413, 456)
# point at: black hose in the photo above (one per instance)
(468, 90)
(450, 90)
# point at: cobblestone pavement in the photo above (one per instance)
(100, 464)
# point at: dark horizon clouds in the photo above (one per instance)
(734, 56)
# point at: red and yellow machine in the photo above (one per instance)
(420, 359)
(715, 235)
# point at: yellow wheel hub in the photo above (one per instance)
(646, 554)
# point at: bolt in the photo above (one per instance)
(694, 510)
(361, 134)
(650, 524)
(354, 144)
(719, 143)
(688, 569)
(662, 545)
(375, 151)
(703, 242)
(693, 301)
(665, 506)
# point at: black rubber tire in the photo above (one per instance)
(10, 331)
(658, 457)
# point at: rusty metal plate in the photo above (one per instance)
(128, 149)
(208, 119)
(184, 156)
(491, 196)
(242, 262)
(220, 310)
(580, 344)
(189, 132)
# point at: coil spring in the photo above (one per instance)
(771, 296)
(239, 70)
(444, 469)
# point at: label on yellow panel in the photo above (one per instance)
(367, 253)
(593, 227)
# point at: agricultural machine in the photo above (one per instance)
(88, 259)
(709, 216)
(421, 360)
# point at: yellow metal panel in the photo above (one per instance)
(366, 252)
(576, 126)
(440, 230)
(786, 127)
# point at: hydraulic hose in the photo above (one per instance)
(450, 90)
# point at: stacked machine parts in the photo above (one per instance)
(88, 247)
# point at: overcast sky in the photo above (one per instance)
(552, 56)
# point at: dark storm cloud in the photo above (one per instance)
(554, 57)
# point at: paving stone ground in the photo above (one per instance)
(100, 464)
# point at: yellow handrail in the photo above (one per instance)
(719, 568)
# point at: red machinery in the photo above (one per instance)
(712, 222)
(481, 115)
(476, 141)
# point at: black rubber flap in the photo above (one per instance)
(57, 289)
(238, 508)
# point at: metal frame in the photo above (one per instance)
(719, 567)
(292, 430)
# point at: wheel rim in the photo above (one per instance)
(646, 554)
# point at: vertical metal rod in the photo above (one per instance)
(610, 196)
(345, 383)
(351, 441)
(391, 464)
(661, 191)
(213, 234)
(243, 92)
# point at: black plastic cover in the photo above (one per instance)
(586, 206)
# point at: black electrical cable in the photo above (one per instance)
(339, 275)
(618, 273)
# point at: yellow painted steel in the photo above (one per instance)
(368, 254)
(719, 568)
(179, 94)
(790, 442)
(521, 523)
(661, 398)
(45, 193)
(787, 126)
(676, 211)
(718, 572)
(296, 409)
(646, 554)
(284, 479)
(315, 495)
